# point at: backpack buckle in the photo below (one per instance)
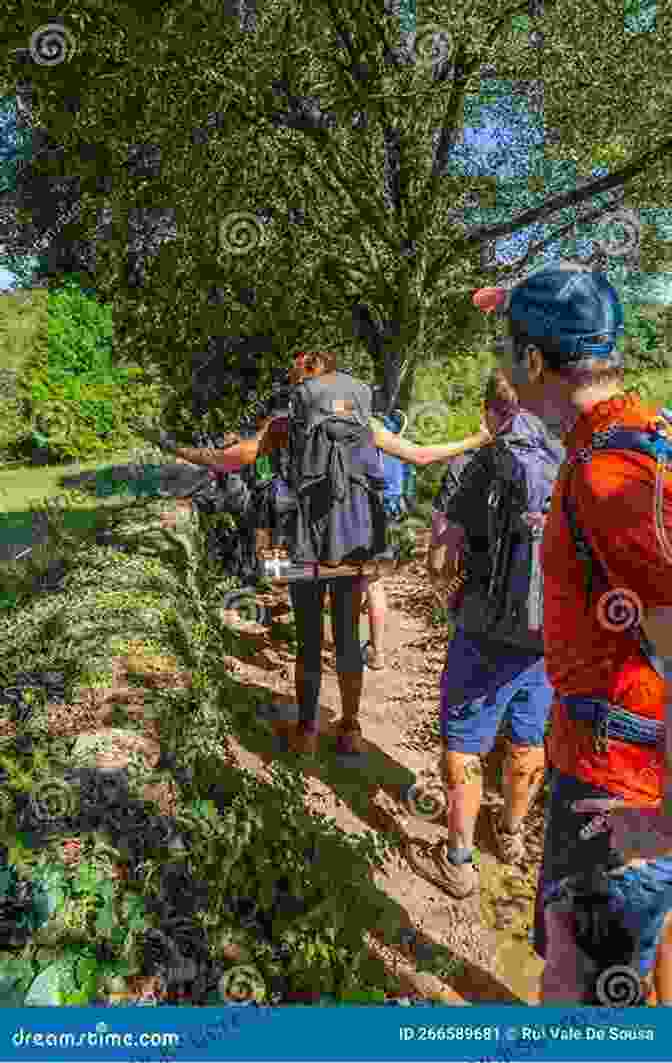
(601, 732)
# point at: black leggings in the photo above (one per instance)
(307, 599)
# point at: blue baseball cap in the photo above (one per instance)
(578, 310)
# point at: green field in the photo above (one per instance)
(22, 485)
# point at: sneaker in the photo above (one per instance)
(431, 863)
(509, 847)
(349, 741)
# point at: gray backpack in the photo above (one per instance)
(335, 472)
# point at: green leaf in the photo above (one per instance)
(134, 905)
(87, 880)
(106, 920)
(106, 889)
(87, 969)
(16, 975)
(51, 985)
(79, 998)
(52, 874)
(11, 993)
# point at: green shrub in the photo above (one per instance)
(76, 401)
(81, 334)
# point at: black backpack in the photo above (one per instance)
(231, 546)
(503, 594)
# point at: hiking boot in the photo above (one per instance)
(431, 863)
(349, 741)
(303, 740)
(509, 846)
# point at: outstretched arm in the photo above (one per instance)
(230, 458)
(396, 447)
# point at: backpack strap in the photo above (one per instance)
(581, 545)
(504, 504)
(654, 443)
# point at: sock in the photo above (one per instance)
(460, 856)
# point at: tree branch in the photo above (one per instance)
(448, 126)
(568, 199)
(520, 264)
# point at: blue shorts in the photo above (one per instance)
(641, 897)
(502, 686)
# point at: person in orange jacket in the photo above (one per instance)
(604, 898)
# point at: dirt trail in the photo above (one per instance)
(399, 718)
